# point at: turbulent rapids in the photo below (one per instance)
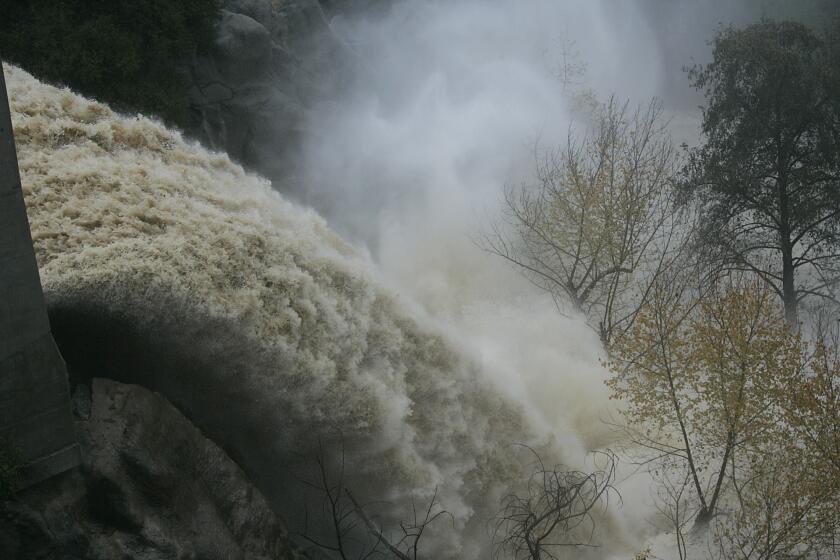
(422, 258)
(171, 267)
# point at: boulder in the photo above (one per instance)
(242, 40)
(151, 487)
(274, 61)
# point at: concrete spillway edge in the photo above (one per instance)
(35, 412)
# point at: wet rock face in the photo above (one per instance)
(273, 61)
(243, 39)
(151, 487)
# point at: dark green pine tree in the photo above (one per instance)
(768, 174)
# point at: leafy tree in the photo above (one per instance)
(812, 406)
(786, 488)
(777, 512)
(129, 54)
(695, 377)
(736, 415)
(595, 227)
(768, 175)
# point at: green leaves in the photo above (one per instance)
(129, 54)
(768, 174)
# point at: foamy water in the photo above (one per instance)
(130, 219)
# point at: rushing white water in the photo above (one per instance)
(412, 158)
(425, 357)
(306, 342)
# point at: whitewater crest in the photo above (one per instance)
(170, 266)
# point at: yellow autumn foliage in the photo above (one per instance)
(721, 389)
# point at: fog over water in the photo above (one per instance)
(169, 266)
(447, 103)
(431, 357)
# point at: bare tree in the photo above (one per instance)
(600, 221)
(408, 545)
(568, 68)
(554, 511)
(345, 530)
(673, 502)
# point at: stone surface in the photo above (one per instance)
(274, 62)
(242, 39)
(34, 403)
(151, 487)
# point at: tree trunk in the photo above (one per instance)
(788, 289)
(701, 522)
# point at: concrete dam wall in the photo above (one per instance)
(35, 413)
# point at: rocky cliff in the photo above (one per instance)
(273, 62)
(242, 76)
(250, 95)
(151, 486)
